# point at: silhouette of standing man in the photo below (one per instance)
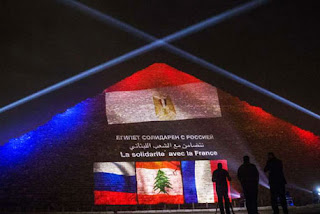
(248, 176)
(220, 176)
(277, 183)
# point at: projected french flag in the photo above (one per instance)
(197, 180)
(115, 183)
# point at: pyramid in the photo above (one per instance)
(54, 163)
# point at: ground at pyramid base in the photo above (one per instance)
(308, 209)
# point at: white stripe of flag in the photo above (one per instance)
(118, 168)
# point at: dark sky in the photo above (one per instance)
(275, 46)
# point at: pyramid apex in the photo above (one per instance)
(156, 75)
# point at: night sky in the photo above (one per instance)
(275, 46)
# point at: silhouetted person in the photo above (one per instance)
(248, 176)
(277, 183)
(220, 176)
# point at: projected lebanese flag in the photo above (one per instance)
(159, 182)
(160, 93)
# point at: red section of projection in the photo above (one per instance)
(306, 136)
(155, 76)
(259, 112)
(214, 166)
(273, 124)
(161, 198)
(114, 198)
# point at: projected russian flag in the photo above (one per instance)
(115, 183)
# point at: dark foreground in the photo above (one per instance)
(262, 210)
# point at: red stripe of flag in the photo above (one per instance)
(214, 166)
(114, 198)
(161, 198)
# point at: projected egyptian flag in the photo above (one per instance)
(165, 94)
(115, 183)
(197, 180)
(159, 182)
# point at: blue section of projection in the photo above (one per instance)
(189, 182)
(114, 183)
(53, 133)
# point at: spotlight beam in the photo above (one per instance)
(105, 18)
(83, 75)
(189, 30)
(240, 80)
(155, 43)
(164, 42)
